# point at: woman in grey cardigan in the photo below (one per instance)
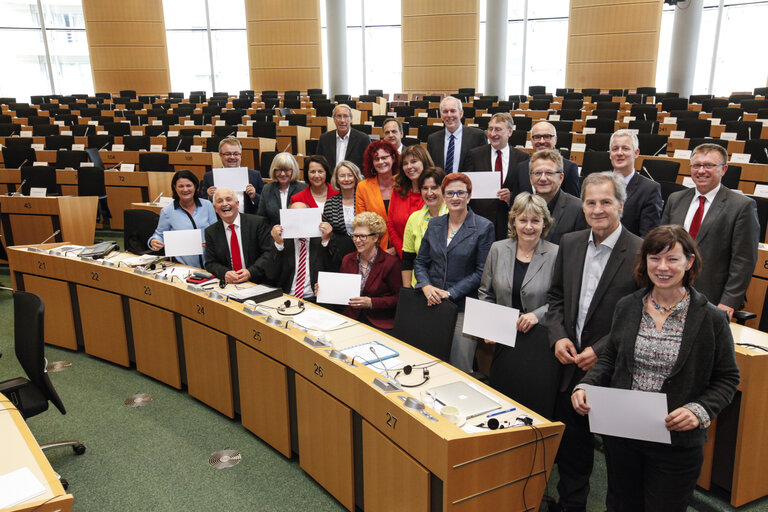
(517, 274)
(666, 338)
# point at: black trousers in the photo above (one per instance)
(645, 476)
(575, 457)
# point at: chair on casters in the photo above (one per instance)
(428, 328)
(31, 396)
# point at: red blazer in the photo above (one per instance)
(305, 196)
(399, 211)
(382, 286)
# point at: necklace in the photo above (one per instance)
(664, 310)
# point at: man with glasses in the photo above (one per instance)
(231, 153)
(544, 136)
(499, 157)
(546, 177)
(343, 143)
(723, 223)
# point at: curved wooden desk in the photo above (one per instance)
(360, 444)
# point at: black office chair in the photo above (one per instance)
(725, 114)
(9, 129)
(668, 188)
(606, 114)
(14, 157)
(428, 328)
(590, 91)
(644, 112)
(39, 176)
(70, 159)
(562, 126)
(32, 395)
(597, 141)
(700, 98)
(684, 114)
(758, 149)
(157, 162)
(136, 142)
(524, 123)
(538, 105)
(266, 162)
(644, 126)
(601, 125)
(179, 143)
(652, 143)
(569, 114)
(45, 130)
(694, 127)
(266, 130)
(662, 170)
(595, 161)
(713, 103)
(427, 130)
(732, 177)
(90, 182)
(138, 226)
(745, 130)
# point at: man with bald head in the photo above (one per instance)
(449, 148)
(343, 143)
(544, 136)
(237, 247)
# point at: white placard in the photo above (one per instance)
(682, 153)
(157, 148)
(206, 134)
(220, 122)
(728, 136)
(369, 123)
(422, 114)
(491, 321)
(59, 123)
(78, 147)
(437, 124)
(164, 201)
(241, 135)
(485, 185)
(669, 120)
(764, 121)
(633, 130)
(528, 144)
(234, 178)
(157, 122)
(714, 121)
(102, 132)
(590, 117)
(627, 413)
(93, 123)
(688, 182)
(301, 222)
(249, 122)
(283, 122)
(337, 288)
(760, 190)
(740, 158)
(172, 133)
(137, 133)
(38, 192)
(189, 122)
(118, 147)
(677, 134)
(554, 117)
(127, 167)
(195, 149)
(66, 132)
(183, 242)
(86, 164)
(589, 130)
(38, 147)
(39, 164)
(578, 147)
(629, 118)
(25, 134)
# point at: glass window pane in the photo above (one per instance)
(741, 65)
(70, 61)
(30, 73)
(63, 14)
(230, 60)
(19, 13)
(665, 47)
(354, 13)
(383, 60)
(188, 60)
(548, 9)
(514, 58)
(481, 58)
(546, 50)
(355, 69)
(381, 13)
(227, 13)
(180, 14)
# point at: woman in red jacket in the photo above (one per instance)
(317, 173)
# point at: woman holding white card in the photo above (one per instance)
(666, 338)
(517, 274)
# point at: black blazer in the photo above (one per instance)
(642, 209)
(563, 297)
(284, 262)
(705, 371)
(358, 141)
(254, 178)
(256, 243)
(568, 216)
(470, 138)
(269, 205)
(727, 240)
(495, 210)
(571, 181)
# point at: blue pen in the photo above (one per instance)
(501, 412)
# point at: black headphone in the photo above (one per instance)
(287, 305)
(407, 370)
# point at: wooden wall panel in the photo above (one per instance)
(284, 49)
(613, 43)
(127, 45)
(440, 45)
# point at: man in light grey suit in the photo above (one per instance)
(546, 176)
(723, 223)
(455, 137)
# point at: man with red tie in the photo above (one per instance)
(499, 157)
(723, 223)
(237, 247)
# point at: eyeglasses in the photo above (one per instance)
(542, 136)
(361, 237)
(461, 194)
(548, 174)
(708, 167)
(283, 171)
(227, 155)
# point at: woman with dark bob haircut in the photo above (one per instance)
(380, 163)
(666, 338)
(317, 174)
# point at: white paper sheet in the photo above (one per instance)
(233, 178)
(183, 242)
(19, 486)
(485, 185)
(318, 319)
(626, 413)
(164, 201)
(301, 222)
(337, 288)
(491, 321)
(38, 192)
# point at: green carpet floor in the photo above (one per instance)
(156, 457)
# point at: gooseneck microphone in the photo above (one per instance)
(53, 235)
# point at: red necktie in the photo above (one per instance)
(696, 222)
(497, 167)
(301, 271)
(234, 248)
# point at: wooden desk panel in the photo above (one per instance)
(154, 343)
(30, 220)
(104, 334)
(59, 321)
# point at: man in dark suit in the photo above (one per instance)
(237, 247)
(231, 153)
(546, 177)
(500, 157)
(449, 147)
(343, 143)
(592, 272)
(392, 132)
(544, 136)
(642, 211)
(726, 231)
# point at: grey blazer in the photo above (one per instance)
(568, 216)
(499, 272)
(727, 241)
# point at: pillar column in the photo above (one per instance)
(685, 39)
(496, 48)
(335, 14)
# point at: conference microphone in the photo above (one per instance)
(178, 145)
(103, 147)
(750, 132)
(766, 153)
(18, 192)
(647, 173)
(118, 164)
(379, 360)
(161, 134)
(85, 133)
(158, 197)
(389, 385)
(660, 149)
(53, 235)
(22, 163)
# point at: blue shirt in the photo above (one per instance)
(173, 217)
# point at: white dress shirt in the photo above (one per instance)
(695, 206)
(456, 148)
(228, 232)
(504, 161)
(341, 146)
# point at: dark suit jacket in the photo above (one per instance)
(284, 262)
(571, 181)
(358, 141)
(563, 297)
(568, 216)
(705, 371)
(269, 204)
(254, 178)
(256, 244)
(727, 240)
(642, 209)
(470, 138)
(382, 286)
(479, 160)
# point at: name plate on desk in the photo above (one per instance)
(677, 134)
(206, 134)
(93, 123)
(740, 158)
(688, 182)
(65, 132)
(682, 153)
(39, 164)
(249, 122)
(86, 164)
(529, 144)
(78, 147)
(137, 133)
(669, 120)
(241, 135)
(102, 132)
(629, 118)
(589, 130)
(554, 117)
(157, 122)
(127, 167)
(38, 191)
(189, 122)
(118, 147)
(761, 190)
(195, 149)
(220, 122)
(157, 148)
(714, 121)
(59, 123)
(728, 136)
(38, 147)
(173, 133)
(25, 134)
(283, 122)
(633, 130)
(590, 117)
(578, 147)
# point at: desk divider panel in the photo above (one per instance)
(104, 332)
(155, 344)
(59, 321)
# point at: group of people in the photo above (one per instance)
(567, 253)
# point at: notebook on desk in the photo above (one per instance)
(469, 401)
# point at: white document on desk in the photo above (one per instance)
(301, 222)
(627, 413)
(485, 185)
(316, 318)
(19, 486)
(337, 287)
(233, 178)
(491, 321)
(183, 242)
